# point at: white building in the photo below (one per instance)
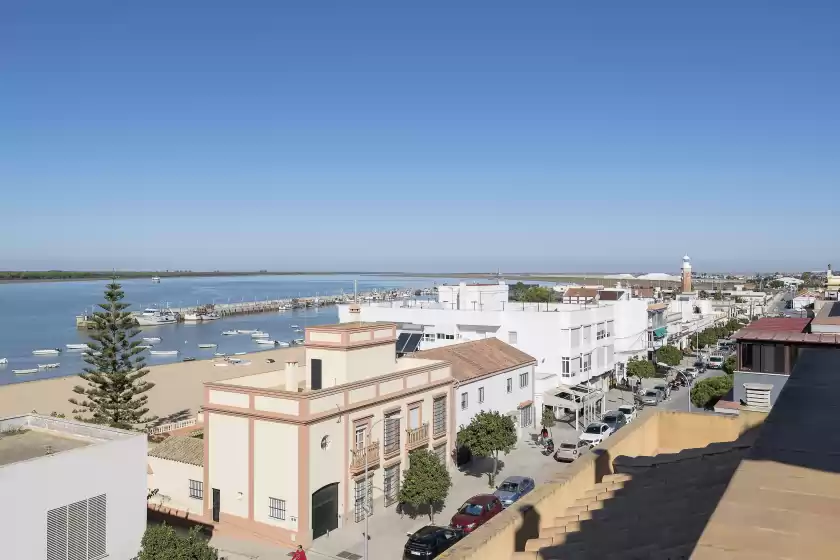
(473, 296)
(492, 376)
(579, 343)
(72, 491)
(686, 316)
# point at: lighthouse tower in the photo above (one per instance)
(686, 274)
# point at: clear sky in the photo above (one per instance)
(551, 136)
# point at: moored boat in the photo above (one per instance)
(294, 326)
(208, 345)
(4, 361)
(151, 339)
(212, 316)
(220, 354)
(297, 341)
(259, 334)
(282, 344)
(239, 353)
(246, 331)
(163, 352)
(192, 317)
(230, 333)
(48, 366)
(24, 371)
(46, 352)
(297, 330)
(77, 346)
(265, 341)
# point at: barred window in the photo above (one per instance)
(196, 489)
(391, 484)
(481, 395)
(277, 508)
(439, 415)
(440, 451)
(564, 362)
(392, 432)
(523, 380)
(465, 402)
(510, 384)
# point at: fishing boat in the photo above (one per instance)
(192, 317)
(297, 330)
(154, 317)
(163, 352)
(24, 371)
(48, 366)
(220, 354)
(77, 346)
(298, 341)
(246, 331)
(265, 341)
(155, 279)
(208, 345)
(46, 352)
(284, 307)
(212, 316)
(239, 353)
(151, 339)
(230, 333)
(282, 344)
(259, 334)
(294, 326)
(4, 361)
(189, 359)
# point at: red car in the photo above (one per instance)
(475, 512)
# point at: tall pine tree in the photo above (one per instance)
(115, 387)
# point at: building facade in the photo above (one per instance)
(74, 491)
(285, 452)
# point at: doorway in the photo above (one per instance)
(325, 510)
(217, 503)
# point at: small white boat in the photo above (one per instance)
(259, 334)
(155, 279)
(282, 344)
(24, 371)
(239, 353)
(4, 361)
(210, 316)
(294, 326)
(297, 330)
(298, 341)
(77, 346)
(144, 346)
(221, 364)
(48, 366)
(151, 339)
(208, 345)
(242, 363)
(192, 317)
(230, 333)
(246, 331)
(163, 352)
(266, 341)
(220, 354)
(46, 352)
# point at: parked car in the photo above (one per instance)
(430, 541)
(629, 411)
(475, 512)
(663, 388)
(651, 397)
(595, 433)
(568, 451)
(615, 420)
(691, 372)
(513, 488)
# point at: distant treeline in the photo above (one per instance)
(17, 275)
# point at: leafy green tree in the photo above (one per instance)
(729, 365)
(706, 392)
(640, 368)
(717, 296)
(487, 435)
(115, 392)
(703, 294)
(425, 483)
(548, 420)
(161, 542)
(669, 355)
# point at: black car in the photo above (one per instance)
(430, 541)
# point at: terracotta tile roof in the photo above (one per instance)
(786, 324)
(181, 449)
(523, 404)
(581, 292)
(478, 358)
(610, 295)
(781, 336)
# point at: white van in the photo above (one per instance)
(716, 361)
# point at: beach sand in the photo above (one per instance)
(178, 392)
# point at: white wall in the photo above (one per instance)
(229, 462)
(172, 480)
(473, 296)
(276, 471)
(496, 396)
(29, 489)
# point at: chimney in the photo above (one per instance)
(291, 376)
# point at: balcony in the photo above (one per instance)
(367, 455)
(417, 437)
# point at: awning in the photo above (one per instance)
(660, 332)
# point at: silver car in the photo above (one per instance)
(651, 397)
(568, 451)
(615, 420)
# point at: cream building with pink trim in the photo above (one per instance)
(283, 453)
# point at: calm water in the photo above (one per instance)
(42, 315)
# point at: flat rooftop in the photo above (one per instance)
(29, 443)
(828, 315)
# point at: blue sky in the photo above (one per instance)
(551, 136)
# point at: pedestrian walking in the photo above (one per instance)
(299, 554)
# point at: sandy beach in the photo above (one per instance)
(177, 394)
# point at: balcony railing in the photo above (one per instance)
(369, 454)
(417, 437)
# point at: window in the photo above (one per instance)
(587, 362)
(602, 331)
(450, 337)
(196, 489)
(391, 484)
(414, 416)
(564, 363)
(527, 416)
(464, 401)
(440, 451)
(428, 337)
(480, 395)
(392, 433)
(277, 508)
(512, 337)
(510, 384)
(78, 531)
(442, 336)
(360, 436)
(523, 380)
(439, 416)
(362, 505)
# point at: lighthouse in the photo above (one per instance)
(686, 274)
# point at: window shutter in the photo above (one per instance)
(57, 534)
(77, 531)
(97, 524)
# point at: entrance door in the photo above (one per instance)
(217, 499)
(325, 510)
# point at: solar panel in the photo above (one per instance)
(412, 343)
(401, 342)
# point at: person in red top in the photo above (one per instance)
(299, 554)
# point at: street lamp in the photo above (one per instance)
(367, 504)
